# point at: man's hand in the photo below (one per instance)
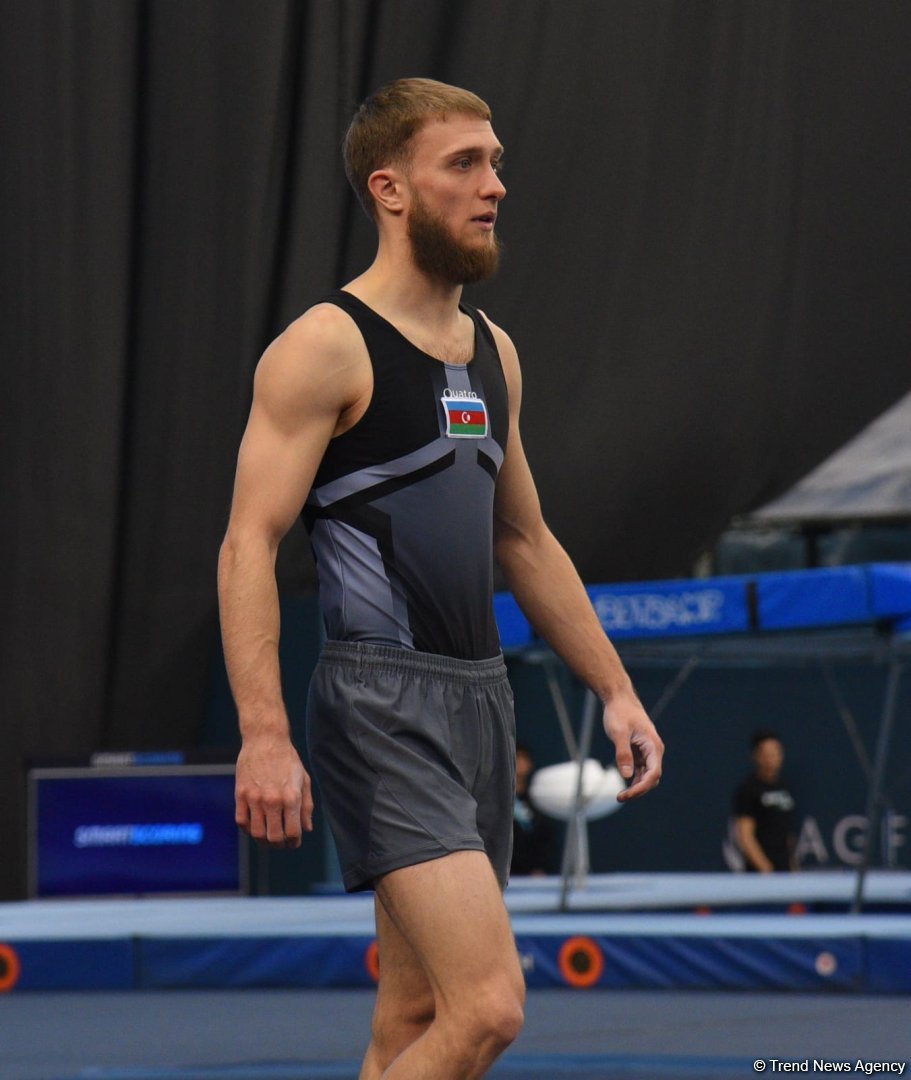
(639, 749)
(273, 799)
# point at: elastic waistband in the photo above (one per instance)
(388, 658)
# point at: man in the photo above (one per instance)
(764, 810)
(390, 413)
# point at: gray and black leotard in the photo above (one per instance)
(400, 515)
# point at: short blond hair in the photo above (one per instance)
(383, 128)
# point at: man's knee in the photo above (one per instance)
(495, 1014)
(399, 1022)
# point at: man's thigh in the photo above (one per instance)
(450, 911)
(403, 985)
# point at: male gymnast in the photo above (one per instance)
(389, 414)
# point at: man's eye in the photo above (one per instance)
(497, 165)
(463, 163)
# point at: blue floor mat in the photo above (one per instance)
(513, 1067)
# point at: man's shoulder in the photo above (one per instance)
(324, 326)
(504, 342)
(495, 328)
(747, 789)
(320, 353)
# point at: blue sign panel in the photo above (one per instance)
(132, 831)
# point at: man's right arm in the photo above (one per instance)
(307, 383)
(750, 846)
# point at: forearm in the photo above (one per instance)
(250, 626)
(751, 848)
(756, 856)
(550, 592)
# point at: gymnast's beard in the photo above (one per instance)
(439, 255)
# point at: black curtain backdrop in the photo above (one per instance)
(707, 277)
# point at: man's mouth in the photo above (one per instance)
(486, 220)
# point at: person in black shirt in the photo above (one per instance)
(764, 810)
(532, 835)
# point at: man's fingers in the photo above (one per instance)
(295, 800)
(306, 810)
(275, 809)
(647, 773)
(624, 759)
(275, 824)
(638, 746)
(255, 824)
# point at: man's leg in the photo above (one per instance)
(404, 1000)
(450, 912)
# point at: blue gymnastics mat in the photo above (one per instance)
(517, 1067)
(310, 1034)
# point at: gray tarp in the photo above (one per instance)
(868, 478)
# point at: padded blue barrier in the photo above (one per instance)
(890, 590)
(307, 942)
(802, 599)
(791, 600)
(888, 966)
(74, 965)
(646, 961)
(694, 963)
(210, 963)
(515, 630)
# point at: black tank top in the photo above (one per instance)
(400, 515)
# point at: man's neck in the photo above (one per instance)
(398, 290)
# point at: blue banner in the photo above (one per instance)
(804, 599)
(673, 608)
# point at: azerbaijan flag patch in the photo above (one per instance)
(466, 418)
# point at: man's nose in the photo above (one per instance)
(493, 186)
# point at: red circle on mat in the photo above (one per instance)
(826, 964)
(10, 968)
(372, 961)
(581, 961)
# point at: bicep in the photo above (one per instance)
(517, 508)
(746, 828)
(275, 469)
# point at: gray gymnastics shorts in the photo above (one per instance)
(414, 756)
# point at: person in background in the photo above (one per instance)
(764, 810)
(532, 833)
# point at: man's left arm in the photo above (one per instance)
(550, 592)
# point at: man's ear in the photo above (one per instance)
(387, 188)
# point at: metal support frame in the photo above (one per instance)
(874, 793)
(575, 862)
(575, 848)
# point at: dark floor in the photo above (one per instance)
(318, 1035)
